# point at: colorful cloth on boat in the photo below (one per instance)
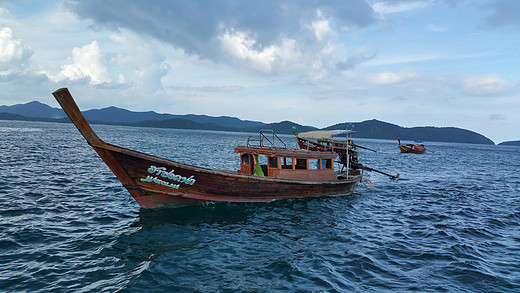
(258, 169)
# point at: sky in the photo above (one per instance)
(412, 63)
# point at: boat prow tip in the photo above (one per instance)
(69, 106)
(60, 89)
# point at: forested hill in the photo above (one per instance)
(114, 115)
(511, 143)
(379, 129)
(36, 111)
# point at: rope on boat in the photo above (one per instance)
(71, 186)
(367, 183)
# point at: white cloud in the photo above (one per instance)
(385, 60)
(13, 53)
(388, 78)
(321, 27)
(142, 63)
(486, 85)
(87, 62)
(194, 27)
(436, 28)
(309, 56)
(386, 8)
(241, 46)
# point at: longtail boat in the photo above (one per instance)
(417, 148)
(266, 172)
(329, 141)
(336, 141)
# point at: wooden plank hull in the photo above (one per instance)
(156, 182)
(305, 144)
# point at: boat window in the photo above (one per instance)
(287, 163)
(328, 163)
(273, 162)
(301, 163)
(245, 159)
(262, 159)
(314, 164)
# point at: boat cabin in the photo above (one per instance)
(284, 163)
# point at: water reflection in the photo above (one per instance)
(218, 213)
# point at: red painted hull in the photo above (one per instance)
(405, 149)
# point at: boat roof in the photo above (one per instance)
(284, 152)
(329, 134)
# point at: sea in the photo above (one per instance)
(449, 223)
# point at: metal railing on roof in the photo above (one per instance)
(264, 141)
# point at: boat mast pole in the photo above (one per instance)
(348, 155)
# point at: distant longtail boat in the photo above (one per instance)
(417, 148)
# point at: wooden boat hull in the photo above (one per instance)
(306, 144)
(156, 182)
(405, 149)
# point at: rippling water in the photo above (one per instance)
(451, 223)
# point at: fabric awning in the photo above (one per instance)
(326, 134)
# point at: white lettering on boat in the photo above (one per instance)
(161, 171)
(159, 181)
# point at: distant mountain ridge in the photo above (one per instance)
(113, 115)
(511, 143)
(118, 115)
(375, 128)
(34, 109)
